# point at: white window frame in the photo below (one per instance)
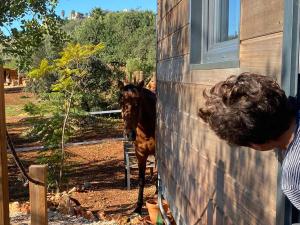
(206, 52)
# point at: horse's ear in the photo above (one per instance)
(141, 84)
(120, 85)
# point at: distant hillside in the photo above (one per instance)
(127, 35)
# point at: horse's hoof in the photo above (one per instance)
(138, 210)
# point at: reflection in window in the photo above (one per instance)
(229, 20)
(233, 19)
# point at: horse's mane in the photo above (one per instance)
(149, 94)
(129, 87)
(148, 104)
(146, 92)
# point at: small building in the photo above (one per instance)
(77, 16)
(199, 43)
(10, 76)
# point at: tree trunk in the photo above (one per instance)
(62, 162)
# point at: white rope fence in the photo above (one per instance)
(105, 112)
(37, 148)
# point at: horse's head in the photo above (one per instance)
(130, 97)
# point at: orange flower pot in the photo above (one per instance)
(153, 209)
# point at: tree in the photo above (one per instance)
(133, 65)
(99, 89)
(95, 28)
(35, 19)
(98, 13)
(126, 35)
(71, 68)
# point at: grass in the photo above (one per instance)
(15, 102)
(24, 97)
(15, 110)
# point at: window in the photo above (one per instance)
(215, 33)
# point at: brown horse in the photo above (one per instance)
(139, 115)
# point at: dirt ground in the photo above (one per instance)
(18, 124)
(99, 165)
(18, 98)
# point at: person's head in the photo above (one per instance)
(248, 110)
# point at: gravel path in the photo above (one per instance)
(56, 219)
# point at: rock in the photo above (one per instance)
(14, 207)
(123, 220)
(90, 216)
(78, 211)
(25, 208)
(56, 198)
(136, 221)
(66, 206)
(101, 215)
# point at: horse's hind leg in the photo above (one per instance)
(142, 169)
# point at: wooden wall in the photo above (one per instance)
(205, 180)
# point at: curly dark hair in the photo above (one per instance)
(247, 109)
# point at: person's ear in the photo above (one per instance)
(120, 85)
(254, 146)
(264, 147)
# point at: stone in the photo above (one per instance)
(25, 208)
(14, 207)
(90, 216)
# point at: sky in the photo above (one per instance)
(85, 6)
(234, 15)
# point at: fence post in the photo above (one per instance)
(4, 209)
(141, 77)
(38, 195)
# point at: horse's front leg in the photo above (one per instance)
(142, 169)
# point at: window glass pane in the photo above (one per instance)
(218, 27)
(234, 18)
(229, 20)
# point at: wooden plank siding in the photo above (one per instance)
(259, 18)
(175, 20)
(191, 157)
(192, 161)
(174, 69)
(262, 55)
(175, 45)
(166, 6)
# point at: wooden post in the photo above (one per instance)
(134, 77)
(4, 200)
(38, 195)
(154, 76)
(141, 77)
(127, 171)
